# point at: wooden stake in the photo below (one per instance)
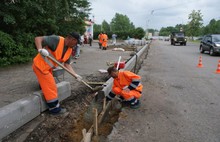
(86, 136)
(104, 104)
(96, 83)
(95, 121)
(94, 127)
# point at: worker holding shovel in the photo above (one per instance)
(127, 86)
(59, 48)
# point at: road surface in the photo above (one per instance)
(180, 102)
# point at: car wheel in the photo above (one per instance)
(201, 49)
(211, 52)
(185, 43)
(174, 43)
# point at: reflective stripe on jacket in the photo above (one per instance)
(125, 78)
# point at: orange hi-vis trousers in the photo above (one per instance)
(127, 96)
(104, 44)
(47, 84)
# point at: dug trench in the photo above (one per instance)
(68, 127)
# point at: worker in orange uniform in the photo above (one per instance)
(104, 41)
(127, 86)
(100, 40)
(60, 48)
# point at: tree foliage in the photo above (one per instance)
(105, 26)
(120, 25)
(195, 23)
(22, 20)
(212, 28)
(138, 33)
(194, 27)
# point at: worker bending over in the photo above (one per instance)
(127, 86)
(59, 48)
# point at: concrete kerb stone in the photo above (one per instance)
(17, 114)
(64, 91)
(24, 110)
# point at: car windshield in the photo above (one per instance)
(216, 38)
(179, 34)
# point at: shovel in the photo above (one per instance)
(96, 89)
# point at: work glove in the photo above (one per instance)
(78, 77)
(126, 89)
(43, 52)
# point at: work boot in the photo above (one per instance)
(125, 103)
(136, 105)
(61, 111)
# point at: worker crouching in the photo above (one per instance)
(126, 86)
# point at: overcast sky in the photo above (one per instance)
(155, 13)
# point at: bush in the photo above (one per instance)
(7, 46)
(18, 50)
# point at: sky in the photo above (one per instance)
(154, 14)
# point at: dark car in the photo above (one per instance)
(178, 37)
(210, 43)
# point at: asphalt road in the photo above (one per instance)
(180, 102)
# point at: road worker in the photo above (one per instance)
(114, 36)
(104, 41)
(100, 40)
(126, 86)
(59, 48)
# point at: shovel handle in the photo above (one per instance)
(62, 66)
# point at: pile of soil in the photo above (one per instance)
(126, 47)
(68, 127)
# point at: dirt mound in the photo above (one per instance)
(68, 127)
(126, 47)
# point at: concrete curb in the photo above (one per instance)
(24, 110)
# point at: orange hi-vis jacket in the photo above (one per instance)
(127, 78)
(40, 62)
(43, 70)
(100, 38)
(104, 40)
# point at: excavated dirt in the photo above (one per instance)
(68, 127)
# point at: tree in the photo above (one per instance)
(138, 33)
(213, 27)
(166, 31)
(105, 26)
(22, 20)
(97, 28)
(121, 23)
(195, 23)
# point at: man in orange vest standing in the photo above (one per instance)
(60, 48)
(126, 86)
(100, 40)
(104, 41)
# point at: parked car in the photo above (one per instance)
(210, 43)
(167, 39)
